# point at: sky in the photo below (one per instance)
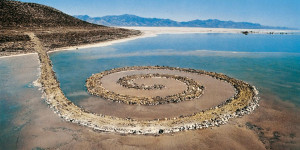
(266, 12)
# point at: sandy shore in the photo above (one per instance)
(18, 55)
(100, 44)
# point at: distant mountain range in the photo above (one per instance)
(132, 20)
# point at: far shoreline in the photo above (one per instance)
(18, 55)
(154, 31)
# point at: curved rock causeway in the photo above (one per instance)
(244, 102)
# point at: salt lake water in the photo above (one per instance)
(270, 62)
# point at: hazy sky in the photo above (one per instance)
(266, 12)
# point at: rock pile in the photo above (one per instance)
(128, 82)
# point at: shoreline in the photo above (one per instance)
(17, 55)
(99, 44)
(154, 31)
(178, 30)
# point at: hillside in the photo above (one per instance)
(18, 14)
(132, 20)
(54, 28)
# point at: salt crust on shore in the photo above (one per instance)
(18, 55)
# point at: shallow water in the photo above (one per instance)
(17, 75)
(270, 62)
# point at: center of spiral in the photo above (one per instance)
(129, 82)
(139, 82)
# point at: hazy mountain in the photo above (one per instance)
(128, 20)
(132, 20)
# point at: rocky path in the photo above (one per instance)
(65, 108)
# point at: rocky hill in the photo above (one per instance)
(18, 14)
(132, 20)
(54, 28)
